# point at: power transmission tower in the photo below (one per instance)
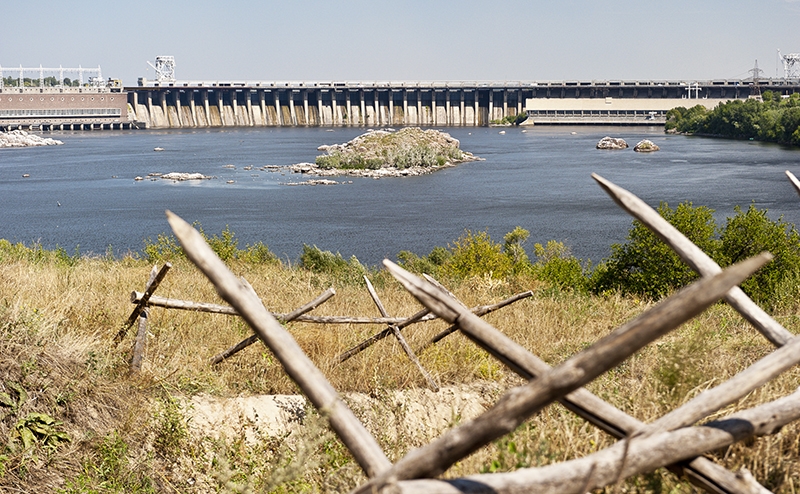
(755, 92)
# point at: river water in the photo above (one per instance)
(82, 195)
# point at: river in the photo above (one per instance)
(82, 195)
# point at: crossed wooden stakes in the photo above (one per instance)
(143, 300)
(670, 441)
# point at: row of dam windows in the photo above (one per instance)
(76, 112)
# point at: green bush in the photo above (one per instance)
(326, 262)
(750, 232)
(646, 266)
(556, 266)
(430, 264)
(475, 254)
(225, 246)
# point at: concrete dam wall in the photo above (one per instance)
(374, 104)
(183, 105)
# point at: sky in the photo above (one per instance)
(404, 40)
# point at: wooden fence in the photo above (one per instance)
(672, 441)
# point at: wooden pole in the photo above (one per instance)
(641, 455)
(696, 259)
(478, 311)
(422, 315)
(148, 292)
(701, 472)
(520, 403)
(400, 339)
(141, 334)
(171, 303)
(298, 366)
(419, 316)
(795, 183)
(324, 297)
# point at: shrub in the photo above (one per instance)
(225, 246)
(475, 254)
(326, 262)
(430, 264)
(749, 233)
(645, 265)
(556, 266)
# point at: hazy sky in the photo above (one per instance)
(379, 40)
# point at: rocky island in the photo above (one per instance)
(612, 143)
(21, 139)
(386, 153)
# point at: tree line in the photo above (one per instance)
(773, 119)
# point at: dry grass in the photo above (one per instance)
(129, 434)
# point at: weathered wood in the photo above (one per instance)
(171, 303)
(298, 366)
(696, 259)
(794, 181)
(324, 297)
(141, 304)
(479, 311)
(400, 338)
(622, 460)
(139, 343)
(520, 403)
(419, 316)
(141, 334)
(584, 404)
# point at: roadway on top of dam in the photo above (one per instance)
(145, 84)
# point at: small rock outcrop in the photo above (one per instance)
(181, 177)
(22, 139)
(388, 153)
(645, 146)
(612, 143)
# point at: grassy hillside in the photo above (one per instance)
(72, 418)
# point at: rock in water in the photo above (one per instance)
(612, 143)
(645, 146)
(21, 139)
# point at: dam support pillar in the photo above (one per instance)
(405, 107)
(292, 113)
(263, 105)
(320, 116)
(206, 109)
(277, 103)
(335, 116)
(391, 107)
(249, 105)
(462, 119)
(376, 106)
(448, 120)
(305, 107)
(419, 107)
(433, 107)
(363, 117)
(192, 108)
(476, 107)
(491, 104)
(348, 109)
(178, 110)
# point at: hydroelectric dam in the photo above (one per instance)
(188, 104)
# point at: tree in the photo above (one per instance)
(645, 265)
(749, 233)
